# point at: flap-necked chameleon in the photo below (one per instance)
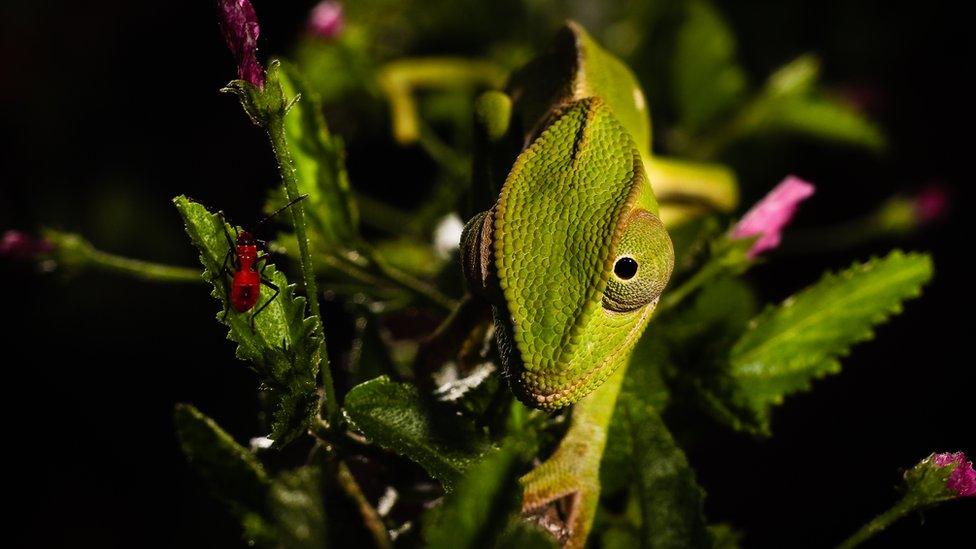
(572, 256)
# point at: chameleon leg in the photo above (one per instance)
(572, 474)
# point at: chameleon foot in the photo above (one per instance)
(562, 493)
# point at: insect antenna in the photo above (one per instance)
(259, 224)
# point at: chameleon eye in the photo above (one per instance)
(625, 268)
(643, 265)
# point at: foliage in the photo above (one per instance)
(447, 440)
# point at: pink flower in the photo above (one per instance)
(931, 203)
(771, 214)
(20, 245)
(962, 479)
(325, 20)
(239, 24)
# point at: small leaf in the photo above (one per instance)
(670, 500)
(707, 79)
(825, 119)
(295, 503)
(233, 473)
(395, 416)
(283, 346)
(788, 346)
(487, 498)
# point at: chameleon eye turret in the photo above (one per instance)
(643, 266)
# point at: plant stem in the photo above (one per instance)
(371, 518)
(286, 166)
(903, 507)
(143, 269)
(673, 297)
(75, 252)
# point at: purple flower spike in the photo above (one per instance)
(962, 479)
(771, 214)
(20, 245)
(239, 24)
(326, 20)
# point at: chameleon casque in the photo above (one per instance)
(573, 256)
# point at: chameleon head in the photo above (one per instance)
(580, 257)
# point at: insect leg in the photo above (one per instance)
(274, 287)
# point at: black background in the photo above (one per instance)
(109, 109)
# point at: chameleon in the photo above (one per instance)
(572, 257)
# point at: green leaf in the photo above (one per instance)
(234, 474)
(395, 416)
(487, 498)
(791, 103)
(708, 81)
(319, 160)
(297, 510)
(824, 119)
(645, 384)
(788, 346)
(283, 347)
(670, 500)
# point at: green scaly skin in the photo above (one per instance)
(551, 255)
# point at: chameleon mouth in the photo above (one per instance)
(565, 396)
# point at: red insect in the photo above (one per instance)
(244, 265)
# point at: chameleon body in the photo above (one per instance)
(572, 256)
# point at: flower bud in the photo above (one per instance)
(942, 476)
(326, 20)
(239, 25)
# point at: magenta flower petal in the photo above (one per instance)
(239, 24)
(20, 245)
(962, 479)
(771, 214)
(326, 20)
(931, 204)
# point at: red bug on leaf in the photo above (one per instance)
(244, 264)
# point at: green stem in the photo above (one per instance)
(879, 523)
(425, 292)
(673, 297)
(143, 269)
(76, 252)
(286, 166)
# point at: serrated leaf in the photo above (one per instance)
(486, 499)
(707, 79)
(233, 472)
(789, 345)
(283, 347)
(670, 500)
(396, 417)
(297, 510)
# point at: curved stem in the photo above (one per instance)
(879, 523)
(76, 252)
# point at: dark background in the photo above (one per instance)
(109, 109)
